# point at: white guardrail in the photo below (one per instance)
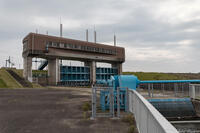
(148, 119)
(194, 91)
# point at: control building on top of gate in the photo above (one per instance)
(54, 48)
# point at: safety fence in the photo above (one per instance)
(148, 119)
(96, 102)
(164, 89)
(107, 102)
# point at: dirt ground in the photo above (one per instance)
(51, 111)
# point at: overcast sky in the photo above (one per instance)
(158, 35)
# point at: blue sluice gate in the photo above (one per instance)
(82, 73)
(171, 108)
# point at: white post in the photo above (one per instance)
(118, 102)
(192, 91)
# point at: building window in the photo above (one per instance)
(49, 43)
(61, 45)
(88, 48)
(75, 46)
(97, 49)
(92, 49)
(82, 47)
(103, 51)
(54, 44)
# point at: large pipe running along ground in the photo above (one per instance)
(132, 81)
(168, 81)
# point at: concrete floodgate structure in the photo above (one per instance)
(54, 49)
(119, 90)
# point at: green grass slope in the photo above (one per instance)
(3, 84)
(7, 81)
(20, 73)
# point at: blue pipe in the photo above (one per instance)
(169, 81)
(170, 100)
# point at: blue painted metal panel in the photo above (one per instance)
(170, 100)
(105, 99)
(114, 82)
(129, 81)
(105, 73)
(74, 73)
(82, 73)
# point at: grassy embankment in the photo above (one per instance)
(164, 76)
(7, 81)
(20, 73)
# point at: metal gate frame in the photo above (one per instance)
(111, 113)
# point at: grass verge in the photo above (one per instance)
(3, 84)
(129, 118)
(86, 107)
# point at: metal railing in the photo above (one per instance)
(148, 119)
(106, 98)
(164, 89)
(194, 91)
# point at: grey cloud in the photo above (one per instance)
(132, 21)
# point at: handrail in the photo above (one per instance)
(148, 119)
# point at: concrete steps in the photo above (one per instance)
(8, 80)
(19, 79)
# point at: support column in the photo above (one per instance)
(27, 72)
(53, 71)
(118, 66)
(92, 65)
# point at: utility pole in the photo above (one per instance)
(95, 35)
(61, 34)
(61, 28)
(87, 35)
(114, 40)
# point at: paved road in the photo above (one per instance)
(50, 111)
